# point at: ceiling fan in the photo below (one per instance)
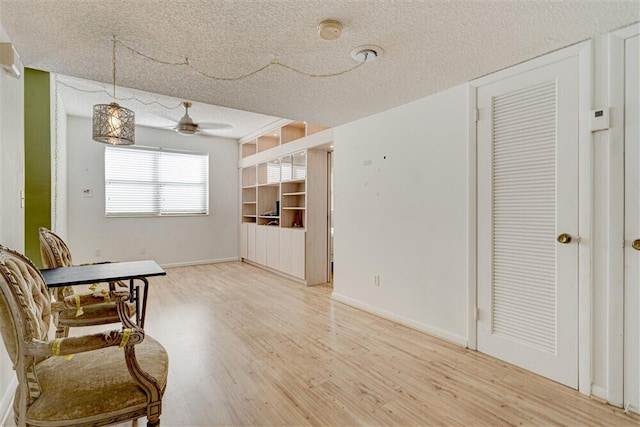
(186, 125)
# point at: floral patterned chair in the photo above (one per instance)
(55, 253)
(115, 376)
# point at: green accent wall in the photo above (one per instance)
(37, 159)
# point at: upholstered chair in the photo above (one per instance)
(55, 253)
(113, 377)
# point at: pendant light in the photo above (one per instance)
(113, 124)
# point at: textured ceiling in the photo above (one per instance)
(428, 46)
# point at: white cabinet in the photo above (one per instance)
(251, 241)
(292, 252)
(243, 240)
(261, 244)
(273, 247)
(248, 241)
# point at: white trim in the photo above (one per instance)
(199, 262)
(585, 218)
(614, 393)
(6, 403)
(472, 219)
(599, 392)
(541, 61)
(583, 51)
(436, 332)
(627, 32)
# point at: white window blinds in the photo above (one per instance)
(153, 182)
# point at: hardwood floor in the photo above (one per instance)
(248, 347)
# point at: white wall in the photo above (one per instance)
(11, 183)
(404, 217)
(168, 240)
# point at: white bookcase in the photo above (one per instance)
(285, 207)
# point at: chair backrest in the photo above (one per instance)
(54, 251)
(25, 315)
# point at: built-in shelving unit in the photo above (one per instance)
(280, 136)
(284, 204)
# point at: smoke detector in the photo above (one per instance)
(330, 29)
(366, 53)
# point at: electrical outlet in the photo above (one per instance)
(376, 280)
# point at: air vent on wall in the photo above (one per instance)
(9, 59)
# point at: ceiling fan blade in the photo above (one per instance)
(214, 126)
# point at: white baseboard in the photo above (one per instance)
(599, 392)
(6, 404)
(199, 262)
(437, 332)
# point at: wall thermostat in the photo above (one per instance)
(599, 119)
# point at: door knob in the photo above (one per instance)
(636, 244)
(564, 238)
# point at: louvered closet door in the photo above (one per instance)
(527, 196)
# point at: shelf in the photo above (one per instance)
(294, 208)
(298, 193)
(269, 216)
(249, 216)
(249, 203)
(273, 184)
(295, 181)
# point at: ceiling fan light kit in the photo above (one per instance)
(186, 126)
(113, 124)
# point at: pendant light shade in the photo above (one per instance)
(113, 124)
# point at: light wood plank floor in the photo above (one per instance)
(248, 347)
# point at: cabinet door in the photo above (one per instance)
(251, 241)
(292, 252)
(273, 247)
(261, 244)
(243, 240)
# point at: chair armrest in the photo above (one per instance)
(72, 301)
(78, 301)
(73, 345)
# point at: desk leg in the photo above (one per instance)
(141, 306)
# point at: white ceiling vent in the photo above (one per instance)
(366, 53)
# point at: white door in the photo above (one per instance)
(632, 225)
(527, 198)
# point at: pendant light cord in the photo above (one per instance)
(114, 66)
(273, 62)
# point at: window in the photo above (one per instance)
(147, 182)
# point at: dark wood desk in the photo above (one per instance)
(109, 272)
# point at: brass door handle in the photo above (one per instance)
(564, 238)
(636, 244)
